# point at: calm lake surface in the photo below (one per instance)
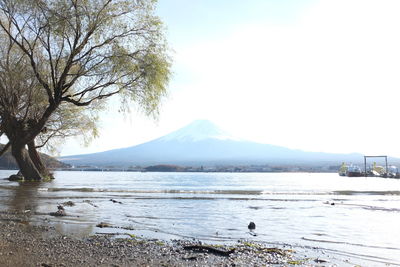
(293, 208)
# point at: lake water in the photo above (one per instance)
(363, 225)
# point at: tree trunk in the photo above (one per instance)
(5, 148)
(26, 165)
(37, 160)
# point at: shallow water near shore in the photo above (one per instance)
(357, 219)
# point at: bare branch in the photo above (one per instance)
(81, 104)
(47, 140)
(32, 61)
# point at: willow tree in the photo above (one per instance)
(22, 100)
(80, 53)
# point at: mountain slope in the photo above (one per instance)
(203, 143)
(197, 131)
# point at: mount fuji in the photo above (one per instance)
(199, 130)
(203, 143)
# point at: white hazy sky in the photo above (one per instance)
(311, 75)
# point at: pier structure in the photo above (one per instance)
(365, 163)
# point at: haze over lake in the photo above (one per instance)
(353, 219)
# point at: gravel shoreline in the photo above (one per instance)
(22, 244)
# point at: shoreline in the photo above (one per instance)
(23, 244)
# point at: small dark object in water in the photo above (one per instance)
(332, 204)
(59, 212)
(103, 225)
(251, 226)
(90, 203)
(115, 201)
(318, 260)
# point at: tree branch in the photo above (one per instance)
(32, 61)
(47, 140)
(82, 104)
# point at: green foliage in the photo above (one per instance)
(69, 121)
(298, 262)
(132, 235)
(160, 243)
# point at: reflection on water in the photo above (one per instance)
(353, 217)
(25, 197)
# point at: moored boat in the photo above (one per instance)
(393, 172)
(373, 170)
(354, 171)
(380, 170)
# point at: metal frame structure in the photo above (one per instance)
(365, 163)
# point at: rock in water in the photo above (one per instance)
(16, 177)
(115, 201)
(59, 212)
(103, 225)
(251, 226)
(69, 203)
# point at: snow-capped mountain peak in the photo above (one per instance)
(197, 131)
(203, 143)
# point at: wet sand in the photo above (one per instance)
(22, 244)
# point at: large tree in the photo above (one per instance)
(22, 99)
(79, 53)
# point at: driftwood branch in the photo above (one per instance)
(209, 249)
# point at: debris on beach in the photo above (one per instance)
(108, 225)
(209, 249)
(242, 254)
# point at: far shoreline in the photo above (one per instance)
(168, 171)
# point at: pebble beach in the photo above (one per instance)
(23, 244)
